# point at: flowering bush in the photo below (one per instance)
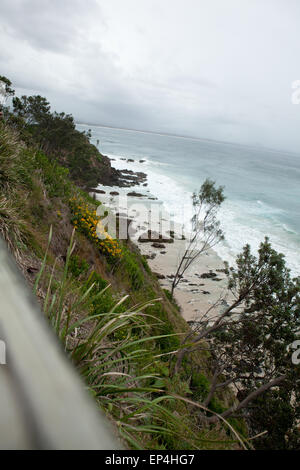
(88, 223)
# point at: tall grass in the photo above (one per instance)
(10, 158)
(108, 350)
(11, 225)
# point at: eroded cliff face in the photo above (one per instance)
(107, 175)
(88, 167)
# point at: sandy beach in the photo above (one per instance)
(195, 295)
(205, 281)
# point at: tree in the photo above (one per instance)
(6, 90)
(33, 109)
(277, 412)
(206, 231)
(249, 340)
(57, 136)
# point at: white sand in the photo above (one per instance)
(194, 294)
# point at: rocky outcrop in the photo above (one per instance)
(209, 275)
(106, 174)
(158, 245)
(131, 178)
(159, 276)
(109, 176)
(154, 237)
(134, 194)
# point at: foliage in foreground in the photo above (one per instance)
(123, 351)
(113, 351)
(250, 346)
(121, 345)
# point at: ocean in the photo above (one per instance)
(262, 186)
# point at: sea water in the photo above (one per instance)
(262, 186)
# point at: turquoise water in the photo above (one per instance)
(262, 187)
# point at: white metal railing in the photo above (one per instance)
(43, 403)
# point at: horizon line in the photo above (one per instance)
(188, 137)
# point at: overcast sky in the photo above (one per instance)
(207, 68)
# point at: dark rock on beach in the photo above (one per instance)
(209, 275)
(152, 256)
(97, 191)
(150, 236)
(158, 245)
(131, 178)
(134, 194)
(159, 276)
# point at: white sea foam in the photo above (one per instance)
(262, 190)
(176, 200)
(242, 221)
(241, 229)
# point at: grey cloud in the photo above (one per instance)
(52, 25)
(197, 68)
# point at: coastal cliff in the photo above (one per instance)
(47, 222)
(166, 373)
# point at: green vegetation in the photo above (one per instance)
(163, 385)
(252, 342)
(57, 137)
(118, 327)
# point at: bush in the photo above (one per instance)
(199, 385)
(132, 268)
(10, 159)
(164, 327)
(86, 221)
(55, 177)
(106, 301)
(78, 267)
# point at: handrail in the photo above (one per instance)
(43, 403)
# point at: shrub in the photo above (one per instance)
(78, 267)
(55, 177)
(199, 385)
(87, 222)
(132, 268)
(10, 158)
(164, 327)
